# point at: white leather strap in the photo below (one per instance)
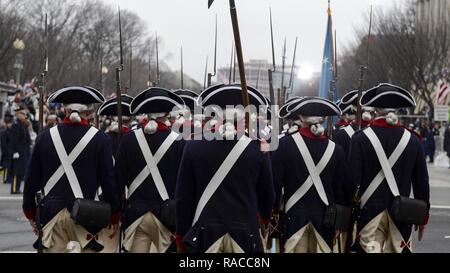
(314, 171)
(220, 175)
(67, 161)
(306, 186)
(386, 165)
(349, 130)
(152, 162)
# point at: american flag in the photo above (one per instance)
(442, 92)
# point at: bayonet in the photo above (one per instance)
(215, 57)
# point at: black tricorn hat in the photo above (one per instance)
(189, 97)
(345, 108)
(230, 95)
(313, 107)
(283, 112)
(156, 100)
(109, 108)
(77, 94)
(351, 98)
(388, 96)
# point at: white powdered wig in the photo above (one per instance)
(389, 114)
(315, 124)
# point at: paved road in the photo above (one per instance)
(16, 235)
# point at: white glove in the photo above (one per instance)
(16, 156)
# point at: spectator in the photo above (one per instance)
(20, 149)
(52, 120)
(447, 142)
(429, 143)
(5, 145)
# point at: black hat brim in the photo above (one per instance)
(388, 96)
(109, 108)
(230, 95)
(156, 100)
(313, 107)
(77, 94)
(350, 98)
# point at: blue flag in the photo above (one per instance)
(328, 62)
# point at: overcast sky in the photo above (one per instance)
(189, 22)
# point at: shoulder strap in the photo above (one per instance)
(220, 175)
(382, 158)
(67, 160)
(309, 162)
(349, 130)
(304, 188)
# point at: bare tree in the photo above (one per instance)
(404, 51)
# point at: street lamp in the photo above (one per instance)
(19, 45)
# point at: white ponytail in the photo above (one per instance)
(392, 118)
(75, 117)
(317, 129)
(151, 127)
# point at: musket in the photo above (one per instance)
(182, 70)
(274, 67)
(362, 68)
(119, 107)
(118, 81)
(357, 195)
(40, 195)
(291, 79)
(149, 82)
(215, 57)
(43, 77)
(240, 57)
(231, 64)
(97, 118)
(234, 66)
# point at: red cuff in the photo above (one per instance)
(115, 219)
(30, 213)
(426, 220)
(179, 242)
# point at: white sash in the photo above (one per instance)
(386, 165)
(349, 130)
(152, 162)
(67, 161)
(314, 172)
(220, 175)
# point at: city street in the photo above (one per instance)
(16, 235)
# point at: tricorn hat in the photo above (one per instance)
(109, 108)
(313, 107)
(76, 94)
(387, 96)
(156, 100)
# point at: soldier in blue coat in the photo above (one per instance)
(70, 161)
(349, 108)
(404, 166)
(225, 188)
(109, 108)
(147, 165)
(311, 168)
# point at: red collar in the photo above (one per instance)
(125, 130)
(341, 123)
(306, 132)
(363, 123)
(69, 122)
(161, 126)
(381, 122)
